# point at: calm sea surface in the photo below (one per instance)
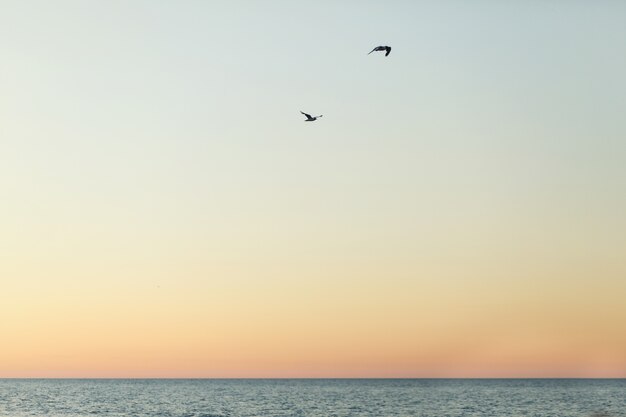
(318, 397)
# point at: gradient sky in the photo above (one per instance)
(459, 211)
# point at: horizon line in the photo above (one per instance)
(308, 378)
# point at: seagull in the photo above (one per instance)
(310, 118)
(382, 48)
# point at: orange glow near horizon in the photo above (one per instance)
(363, 328)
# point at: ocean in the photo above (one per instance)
(312, 397)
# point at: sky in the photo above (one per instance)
(458, 211)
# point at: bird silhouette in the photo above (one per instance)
(382, 48)
(310, 118)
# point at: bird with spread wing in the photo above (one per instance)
(382, 48)
(310, 118)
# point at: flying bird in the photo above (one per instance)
(382, 48)
(310, 118)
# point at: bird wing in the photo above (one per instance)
(388, 49)
(308, 116)
(378, 48)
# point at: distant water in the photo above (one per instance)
(317, 397)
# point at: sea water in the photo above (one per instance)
(312, 397)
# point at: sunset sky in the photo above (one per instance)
(458, 211)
